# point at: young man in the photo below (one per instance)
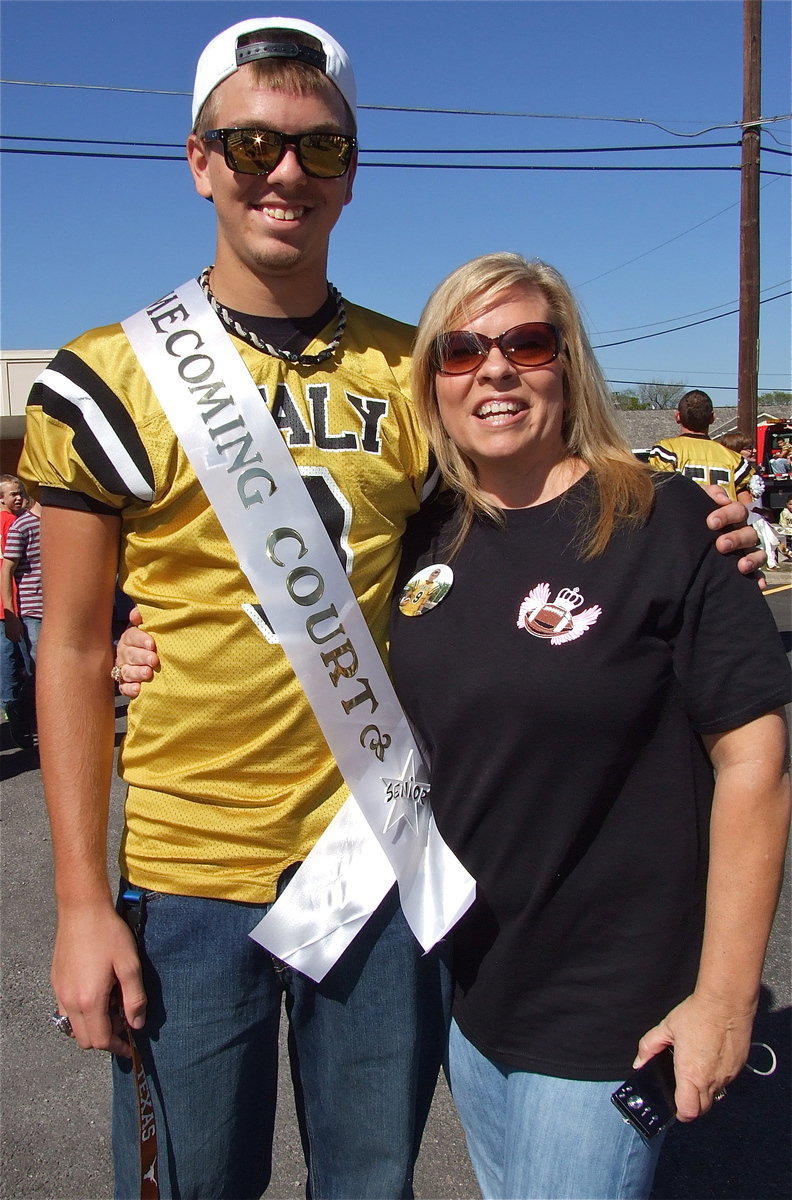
(694, 453)
(219, 807)
(231, 782)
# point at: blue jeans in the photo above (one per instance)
(11, 670)
(29, 645)
(19, 672)
(365, 1048)
(537, 1137)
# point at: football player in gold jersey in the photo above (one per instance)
(230, 780)
(694, 453)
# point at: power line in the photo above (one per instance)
(458, 112)
(93, 154)
(705, 320)
(660, 246)
(403, 166)
(488, 151)
(654, 372)
(684, 316)
(711, 387)
(92, 87)
(405, 150)
(543, 167)
(571, 150)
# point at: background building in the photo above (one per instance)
(18, 370)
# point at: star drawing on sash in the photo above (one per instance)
(406, 797)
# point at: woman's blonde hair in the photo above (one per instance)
(624, 485)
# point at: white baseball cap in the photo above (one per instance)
(223, 56)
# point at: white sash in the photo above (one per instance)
(385, 830)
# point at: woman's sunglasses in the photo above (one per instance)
(462, 351)
(258, 151)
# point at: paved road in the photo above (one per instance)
(54, 1098)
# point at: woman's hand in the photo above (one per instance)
(136, 657)
(710, 1044)
(710, 1031)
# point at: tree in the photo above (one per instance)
(660, 395)
(627, 402)
(775, 399)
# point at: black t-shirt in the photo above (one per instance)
(288, 333)
(560, 702)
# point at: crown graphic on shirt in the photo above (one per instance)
(569, 598)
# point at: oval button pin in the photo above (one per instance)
(425, 590)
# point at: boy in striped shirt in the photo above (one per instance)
(23, 611)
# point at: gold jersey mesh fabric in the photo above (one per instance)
(704, 460)
(230, 779)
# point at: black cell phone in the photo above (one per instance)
(646, 1098)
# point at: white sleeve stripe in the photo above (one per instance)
(664, 455)
(102, 430)
(430, 484)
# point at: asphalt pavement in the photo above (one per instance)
(54, 1098)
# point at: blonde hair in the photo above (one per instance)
(625, 491)
(284, 75)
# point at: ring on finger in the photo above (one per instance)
(62, 1024)
(719, 1094)
(116, 675)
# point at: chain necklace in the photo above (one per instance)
(247, 335)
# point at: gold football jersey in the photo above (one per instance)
(230, 779)
(704, 460)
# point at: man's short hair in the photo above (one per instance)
(695, 411)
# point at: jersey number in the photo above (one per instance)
(718, 475)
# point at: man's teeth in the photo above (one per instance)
(498, 408)
(284, 214)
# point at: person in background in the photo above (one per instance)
(785, 521)
(741, 443)
(769, 535)
(13, 674)
(607, 759)
(20, 582)
(759, 518)
(13, 499)
(696, 455)
(20, 588)
(744, 445)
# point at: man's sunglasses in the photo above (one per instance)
(258, 151)
(461, 351)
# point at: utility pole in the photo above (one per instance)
(748, 367)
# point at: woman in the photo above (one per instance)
(585, 687)
(586, 931)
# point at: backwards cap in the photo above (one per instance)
(223, 56)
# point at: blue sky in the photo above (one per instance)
(86, 241)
